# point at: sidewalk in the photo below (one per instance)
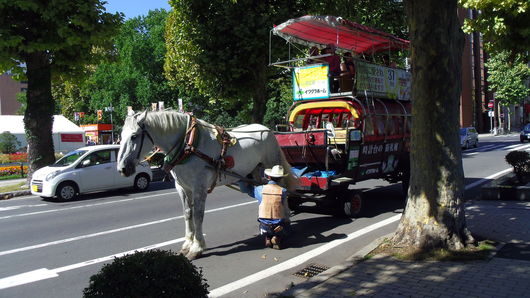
(8, 195)
(506, 274)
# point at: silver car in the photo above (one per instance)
(468, 137)
(87, 169)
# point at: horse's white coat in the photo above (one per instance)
(256, 148)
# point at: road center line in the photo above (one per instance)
(16, 250)
(82, 206)
(298, 260)
(44, 273)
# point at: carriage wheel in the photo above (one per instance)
(353, 204)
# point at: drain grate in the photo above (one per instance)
(311, 270)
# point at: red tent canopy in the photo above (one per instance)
(344, 34)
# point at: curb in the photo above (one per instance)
(331, 272)
(9, 195)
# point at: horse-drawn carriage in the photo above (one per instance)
(342, 129)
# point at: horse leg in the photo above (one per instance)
(199, 244)
(187, 210)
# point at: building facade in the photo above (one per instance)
(9, 89)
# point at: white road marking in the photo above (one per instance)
(21, 206)
(483, 180)
(82, 206)
(519, 147)
(16, 250)
(43, 273)
(298, 260)
(26, 277)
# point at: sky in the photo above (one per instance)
(134, 8)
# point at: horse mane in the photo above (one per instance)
(167, 120)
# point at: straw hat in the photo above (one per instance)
(276, 171)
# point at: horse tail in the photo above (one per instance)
(291, 181)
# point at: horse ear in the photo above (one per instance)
(141, 118)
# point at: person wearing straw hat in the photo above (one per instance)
(273, 214)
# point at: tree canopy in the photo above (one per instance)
(45, 39)
(504, 24)
(508, 79)
(220, 48)
(71, 33)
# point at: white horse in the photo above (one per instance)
(256, 147)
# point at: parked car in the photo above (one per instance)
(468, 137)
(525, 133)
(87, 169)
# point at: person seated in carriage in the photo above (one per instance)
(334, 66)
(273, 216)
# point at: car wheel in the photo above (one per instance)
(476, 144)
(66, 191)
(522, 140)
(141, 182)
(466, 145)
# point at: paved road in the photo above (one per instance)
(56, 247)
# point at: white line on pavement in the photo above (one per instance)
(298, 260)
(520, 147)
(16, 250)
(82, 206)
(21, 206)
(483, 180)
(43, 273)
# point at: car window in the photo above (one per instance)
(472, 130)
(98, 157)
(527, 127)
(69, 158)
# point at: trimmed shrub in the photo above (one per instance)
(154, 273)
(520, 161)
(8, 142)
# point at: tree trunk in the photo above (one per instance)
(259, 98)
(38, 118)
(434, 216)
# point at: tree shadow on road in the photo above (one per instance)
(305, 232)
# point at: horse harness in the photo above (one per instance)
(221, 163)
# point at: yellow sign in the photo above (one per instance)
(310, 82)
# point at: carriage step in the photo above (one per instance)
(342, 180)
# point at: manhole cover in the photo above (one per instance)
(311, 270)
(518, 251)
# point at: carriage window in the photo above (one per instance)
(408, 125)
(313, 122)
(393, 126)
(325, 119)
(380, 122)
(299, 120)
(368, 126)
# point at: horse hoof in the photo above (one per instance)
(193, 256)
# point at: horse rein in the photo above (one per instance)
(144, 133)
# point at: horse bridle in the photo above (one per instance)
(144, 133)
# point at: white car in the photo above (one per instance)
(84, 170)
(468, 137)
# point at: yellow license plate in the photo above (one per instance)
(34, 188)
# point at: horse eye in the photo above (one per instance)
(133, 137)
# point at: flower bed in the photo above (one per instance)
(13, 170)
(14, 157)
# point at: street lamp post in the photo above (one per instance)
(110, 110)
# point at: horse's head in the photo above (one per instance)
(135, 143)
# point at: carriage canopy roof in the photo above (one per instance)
(345, 35)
